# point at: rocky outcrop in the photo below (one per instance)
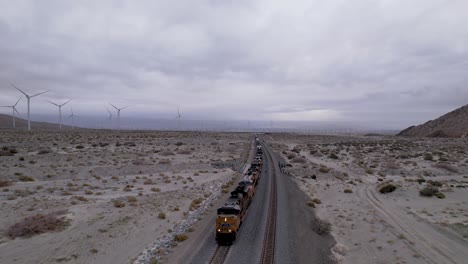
(453, 124)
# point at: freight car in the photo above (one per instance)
(232, 213)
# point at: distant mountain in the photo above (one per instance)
(6, 121)
(453, 124)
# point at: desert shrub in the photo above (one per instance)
(322, 227)
(180, 237)
(131, 199)
(184, 152)
(299, 160)
(333, 156)
(25, 178)
(79, 147)
(348, 191)
(179, 144)
(434, 183)
(119, 204)
(80, 198)
(196, 203)
(154, 189)
(38, 224)
(167, 153)
(148, 182)
(311, 204)
(440, 195)
(428, 156)
(317, 201)
(421, 180)
(324, 169)
(429, 191)
(291, 156)
(388, 188)
(162, 215)
(446, 166)
(153, 261)
(5, 183)
(127, 188)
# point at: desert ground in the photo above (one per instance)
(141, 197)
(109, 197)
(388, 199)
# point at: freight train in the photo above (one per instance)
(233, 211)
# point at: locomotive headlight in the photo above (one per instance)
(230, 230)
(219, 230)
(225, 219)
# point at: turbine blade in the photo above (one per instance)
(18, 100)
(115, 107)
(14, 109)
(66, 102)
(19, 89)
(39, 93)
(123, 108)
(52, 103)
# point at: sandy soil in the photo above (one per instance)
(164, 180)
(343, 176)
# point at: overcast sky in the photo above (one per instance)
(383, 62)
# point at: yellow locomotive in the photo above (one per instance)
(232, 213)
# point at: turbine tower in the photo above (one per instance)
(118, 114)
(29, 99)
(72, 116)
(60, 110)
(13, 109)
(178, 117)
(109, 119)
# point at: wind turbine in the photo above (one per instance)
(72, 116)
(118, 114)
(29, 99)
(109, 118)
(13, 109)
(178, 117)
(60, 110)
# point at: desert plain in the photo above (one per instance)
(89, 196)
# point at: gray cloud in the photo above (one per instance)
(380, 62)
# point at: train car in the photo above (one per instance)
(230, 217)
(232, 212)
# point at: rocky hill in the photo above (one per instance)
(453, 124)
(6, 121)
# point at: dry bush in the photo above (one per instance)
(324, 169)
(333, 156)
(184, 152)
(388, 188)
(429, 191)
(25, 178)
(299, 160)
(446, 166)
(196, 203)
(38, 224)
(80, 198)
(180, 237)
(5, 183)
(131, 199)
(154, 189)
(348, 191)
(119, 204)
(322, 227)
(167, 153)
(162, 215)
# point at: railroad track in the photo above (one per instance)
(268, 251)
(268, 248)
(219, 255)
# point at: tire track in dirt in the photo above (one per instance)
(422, 237)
